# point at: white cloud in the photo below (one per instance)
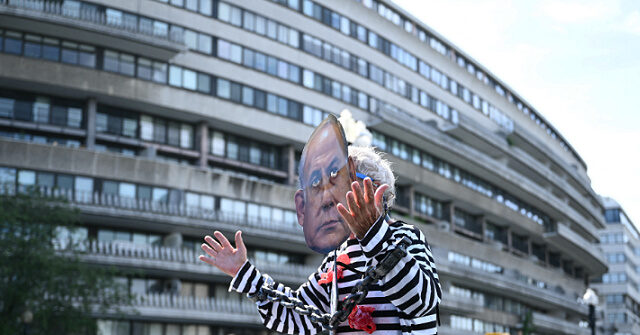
(566, 12)
(630, 24)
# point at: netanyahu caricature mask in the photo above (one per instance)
(325, 173)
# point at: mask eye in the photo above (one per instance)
(334, 173)
(315, 182)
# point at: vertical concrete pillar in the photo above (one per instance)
(450, 209)
(483, 223)
(509, 240)
(412, 199)
(202, 143)
(289, 153)
(546, 256)
(92, 109)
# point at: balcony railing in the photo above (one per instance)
(90, 14)
(557, 325)
(141, 253)
(80, 198)
(236, 306)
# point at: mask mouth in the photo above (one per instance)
(329, 224)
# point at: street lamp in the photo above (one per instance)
(591, 299)
(26, 317)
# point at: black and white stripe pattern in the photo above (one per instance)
(405, 299)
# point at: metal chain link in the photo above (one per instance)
(358, 292)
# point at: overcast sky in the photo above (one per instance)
(576, 62)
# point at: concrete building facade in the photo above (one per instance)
(618, 288)
(163, 120)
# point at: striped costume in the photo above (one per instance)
(405, 300)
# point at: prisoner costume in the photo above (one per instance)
(405, 300)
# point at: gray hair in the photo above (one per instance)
(370, 162)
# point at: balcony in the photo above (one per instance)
(184, 309)
(574, 245)
(459, 305)
(509, 283)
(180, 261)
(89, 25)
(553, 325)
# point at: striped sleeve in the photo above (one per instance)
(412, 285)
(274, 315)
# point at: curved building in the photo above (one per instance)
(163, 120)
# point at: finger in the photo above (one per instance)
(214, 245)
(223, 240)
(207, 260)
(357, 191)
(379, 196)
(346, 215)
(240, 243)
(353, 206)
(368, 190)
(208, 250)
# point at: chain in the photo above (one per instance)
(358, 293)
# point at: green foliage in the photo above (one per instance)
(527, 324)
(59, 289)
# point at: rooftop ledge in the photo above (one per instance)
(51, 19)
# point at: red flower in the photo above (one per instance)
(326, 278)
(361, 319)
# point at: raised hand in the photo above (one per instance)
(222, 255)
(364, 207)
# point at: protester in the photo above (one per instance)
(403, 302)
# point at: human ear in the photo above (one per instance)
(352, 169)
(299, 200)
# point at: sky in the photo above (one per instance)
(576, 62)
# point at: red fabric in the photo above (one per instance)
(326, 278)
(361, 319)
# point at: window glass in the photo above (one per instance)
(50, 49)
(204, 83)
(186, 135)
(224, 12)
(175, 76)
(236, 18)
(127, 65)
(247, 96)
(223, 88)
(69, 52)
(205, 7)
(83, 189)
(159, 72)
(217, 143)
(204, 43)
(159, 130)
(191, 39)
(144, 68)
(127, 190)
(236, 54)
(191, 5)
(146, 127)
(189, 79)
(32, 46)
(160, 194)
(87, 56)
(13, 42)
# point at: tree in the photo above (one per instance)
(37, 275)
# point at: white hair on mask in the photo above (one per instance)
(370, 162)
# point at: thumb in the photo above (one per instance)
(240, 243)
(379, 197)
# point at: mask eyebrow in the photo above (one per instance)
(314, 174)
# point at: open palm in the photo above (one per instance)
(224, 256)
